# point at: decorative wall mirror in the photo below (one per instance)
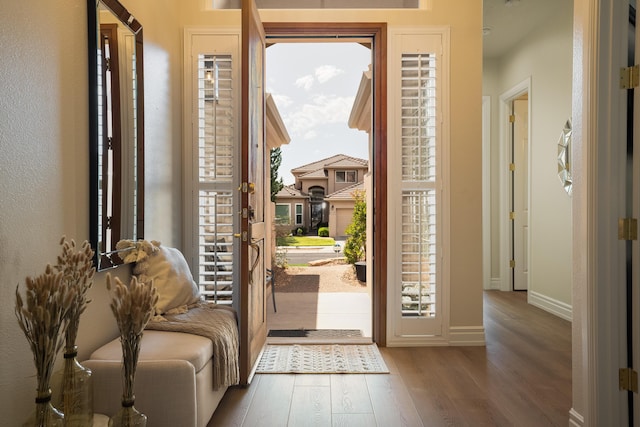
(564, 149)
(116, 129)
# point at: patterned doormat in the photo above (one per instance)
(322, 359)
(315, 333)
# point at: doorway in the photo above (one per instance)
(377, 34)
(316, 85)
(515, 152)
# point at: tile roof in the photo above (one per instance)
(339, 160)
(289, 191)
(346, 193)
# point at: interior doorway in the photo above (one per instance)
(519, 121)
(515, 133)
(315, 85)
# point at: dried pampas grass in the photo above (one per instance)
(43, 316)
(78, 270)
(132, 306)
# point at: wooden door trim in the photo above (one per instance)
(378, 34)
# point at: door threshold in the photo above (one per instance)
(313, 341)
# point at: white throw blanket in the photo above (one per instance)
(216, 322)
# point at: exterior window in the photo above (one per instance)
(214, 132)
(346, 176)
(419, 185)
(298, 214)
(283, 214)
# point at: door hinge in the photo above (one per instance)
(512, 215)
(512, 263)
(628, 379)
(512, 118)
(512, 167)
(629, 77)
(247, 187)
(627, 229)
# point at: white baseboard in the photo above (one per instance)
(551, 305)
(466, 336)
(575, 419)
(495, 284)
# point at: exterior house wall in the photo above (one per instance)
(306, 184)
(292, 202)
(337, 186)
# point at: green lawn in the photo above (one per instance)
(305, 241)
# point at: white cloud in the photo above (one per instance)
(282, 101)
(305, 82)
(325, 109)
(324, 73)
(310, 135)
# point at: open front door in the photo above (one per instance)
(253, 315)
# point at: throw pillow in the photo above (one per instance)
(171, 276)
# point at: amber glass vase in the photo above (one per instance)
(74, 391)
(45, 414)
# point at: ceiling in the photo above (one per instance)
(510, 21)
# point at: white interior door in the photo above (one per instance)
(521, 193)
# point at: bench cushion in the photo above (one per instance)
(162, 345)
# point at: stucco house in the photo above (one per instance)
(321, 194)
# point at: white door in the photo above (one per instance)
(520, 194)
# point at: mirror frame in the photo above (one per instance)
(105, 259)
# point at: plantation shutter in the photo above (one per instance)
(216, 132)
(418, 302)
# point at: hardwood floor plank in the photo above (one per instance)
(354, 420)
(522, 377)
(271, 402)
(310, 406)
(313, 379)
(391, 402)
(349, 394)
(234, 405)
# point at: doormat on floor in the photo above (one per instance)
(322, 359)
(315, 333)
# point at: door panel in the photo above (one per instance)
(253, 326)
(521, 193)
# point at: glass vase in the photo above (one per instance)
(45, 414)
(128, 416)
(74, 392)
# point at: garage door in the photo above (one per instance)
(343, 219)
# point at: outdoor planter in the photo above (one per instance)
(361, 270)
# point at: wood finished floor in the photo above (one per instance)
(521, 378)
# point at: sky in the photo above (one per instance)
(314, 86)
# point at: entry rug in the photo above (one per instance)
(322, 359)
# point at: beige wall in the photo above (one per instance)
(43, 137)
(545, 56)
(44, 171)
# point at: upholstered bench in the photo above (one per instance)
(173, 383)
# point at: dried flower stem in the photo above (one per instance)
(132, 307)
(44, 319)
(78, 271)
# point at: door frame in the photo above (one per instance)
(505, 187)
(377, 32)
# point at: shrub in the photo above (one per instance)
(323, 232)
(354, 247)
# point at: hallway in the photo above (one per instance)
(522, 377)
